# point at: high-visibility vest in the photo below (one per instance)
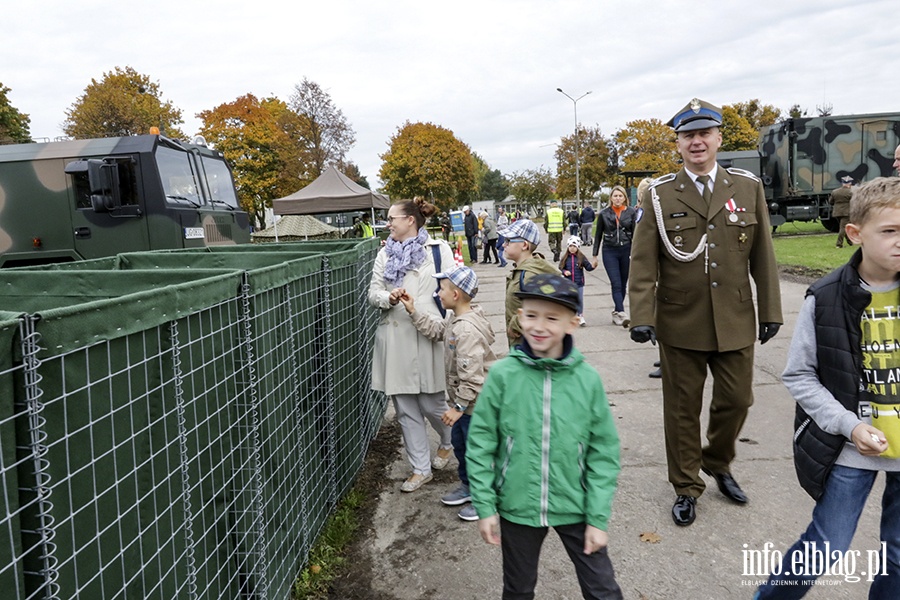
(367, 230)
(555, 219)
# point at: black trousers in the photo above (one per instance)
(521, 546)
(490, 245)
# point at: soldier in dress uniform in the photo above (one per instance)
(897, 160)
(704, 232)
(840, 201)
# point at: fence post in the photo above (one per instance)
(330, 416)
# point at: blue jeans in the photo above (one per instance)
(834, 521)
(500, 241)
(617, 261)
(458, 435)
(580, 300)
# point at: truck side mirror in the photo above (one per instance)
(103, 181)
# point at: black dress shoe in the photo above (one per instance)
(728, 486)
(684, 512)
(656, 364)
(656, 374)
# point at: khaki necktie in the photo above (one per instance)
(707, 193)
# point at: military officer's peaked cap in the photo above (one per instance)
(698, 114)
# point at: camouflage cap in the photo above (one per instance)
(698, 114)
(553, 288)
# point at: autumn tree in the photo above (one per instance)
(534, 187)
(647, 145)
(596, 163)
(322, 132)
(756, 113)
(796, 112)
(252, 134)
(737, 132)
(124, 102)
(351, 170)
(424, 159)
(14, 125)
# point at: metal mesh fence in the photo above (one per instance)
(187, 440)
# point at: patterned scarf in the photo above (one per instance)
(403, 256)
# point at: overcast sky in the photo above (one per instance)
(488, 70)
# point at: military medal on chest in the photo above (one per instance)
(733, 209)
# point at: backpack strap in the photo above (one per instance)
(436, 254)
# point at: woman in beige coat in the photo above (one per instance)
(407, 366)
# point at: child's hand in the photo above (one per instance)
(396, 293)
(594, 539)
(863, 437)
(408, 303)
(595, 262)
(450, 416)
(567, 273)
(489, 528)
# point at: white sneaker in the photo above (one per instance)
(581, 322)
(617, 318)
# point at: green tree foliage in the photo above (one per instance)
(737, 132)
(647, 145)
(124, 102)
(494, 186)
(252, 134)
(796, 112)
(321, 131)
(534, 187)
(424, 159)
(14, 125)
(756, 113)
(597, 165)
(352, 171)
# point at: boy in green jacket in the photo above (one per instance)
(543, 450)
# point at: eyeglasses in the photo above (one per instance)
(391, 219)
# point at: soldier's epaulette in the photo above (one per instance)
(663, 179)
(742, 172)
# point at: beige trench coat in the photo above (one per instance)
(405, 361)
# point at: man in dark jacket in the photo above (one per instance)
(471, 230)
(587, 223)
(574, 221)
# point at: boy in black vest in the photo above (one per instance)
(841, 370)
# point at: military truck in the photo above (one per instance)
(801, 161)
(81, 199)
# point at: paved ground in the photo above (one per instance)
(421, 550)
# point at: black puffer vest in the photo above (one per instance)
(840, 302)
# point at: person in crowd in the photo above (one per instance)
(642, 188)
(446, 226)
(572, 266)
(489, 230)
(470, 228)
(615, 228)
(553, 225)
(840, 203)
(700, 240)
(521, 240)
(502, 223)
(574, 219)
(467, 337)
(543, 449)
(587, 223)
(897, 160)
(404, 267)
(363, 227)
(846, 431)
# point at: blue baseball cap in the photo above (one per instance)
(462, 277)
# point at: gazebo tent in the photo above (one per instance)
(331, 192)
(296, 227)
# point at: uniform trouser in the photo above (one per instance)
(412, 411)
(555, 239)
(521, 545)
(842, 230)
(586, 229)
(683, 376)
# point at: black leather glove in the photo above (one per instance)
(644, 333)
(767, 331)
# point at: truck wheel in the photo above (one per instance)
(831, 224)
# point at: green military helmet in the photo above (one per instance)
(697, 114)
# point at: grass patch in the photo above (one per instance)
(811, 254)
(326, 557)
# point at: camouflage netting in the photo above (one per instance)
(181, 424)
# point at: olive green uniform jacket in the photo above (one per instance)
(711, 309)
(840, 199)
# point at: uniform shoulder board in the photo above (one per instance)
(742, 172)
(663, 179)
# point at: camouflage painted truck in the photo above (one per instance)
(75, 200)
(801, 161)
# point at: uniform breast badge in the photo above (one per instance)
(678, 241)
(742, 238)
(733, 208)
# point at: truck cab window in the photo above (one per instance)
(221, 187)
(127, 185)
(179, 180)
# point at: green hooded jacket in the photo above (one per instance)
(542, 448)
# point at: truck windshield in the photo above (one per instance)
(219, 179)
(178, 178)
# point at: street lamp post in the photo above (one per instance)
(577, 168)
